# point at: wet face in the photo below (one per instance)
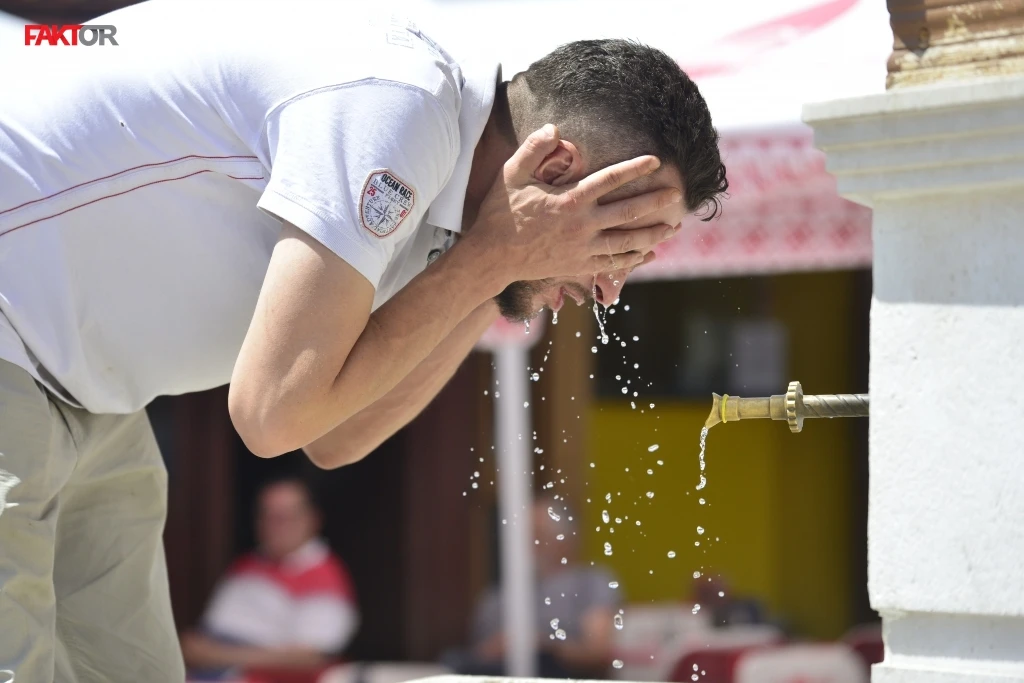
(524, 300)
(285, 520)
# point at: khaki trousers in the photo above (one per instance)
(83, 581)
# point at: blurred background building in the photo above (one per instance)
(777, 289)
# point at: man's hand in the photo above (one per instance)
(542, 231)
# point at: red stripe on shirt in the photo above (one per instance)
(129, 170)
(109, 196)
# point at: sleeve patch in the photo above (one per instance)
(385, 202)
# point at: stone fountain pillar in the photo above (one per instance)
(940, 159)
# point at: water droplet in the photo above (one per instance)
(652, 406)
(607, 548)
(554, 623)
(535, 377)
(650, 471)
(577, 335)
(604, 516)
(625, 390)
(661, 462)
(608, 497)
(721, 594)
(700, 530)
(618, 520)
(617, 663)
(650, 494)
(696, 542)
(703, 482)
(694, 677)
(696, 575)
(593, 349)
(694, 667)
(526, 404)
(617, 620)
(593, 465)
(618, 378)
(696, 608)
(560, 537)
(527, 327)
(560, 634)
(626, 307)
(613, 584)
(671, 554)
(635, 338)
(554, 318)
(565, 560)
(623, 344)
(701, 501)
(547, 601)
(497, 394)
(553, 515)
(638, 522)
(475, 485)
(652, 448)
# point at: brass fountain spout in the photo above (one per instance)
(792, 407)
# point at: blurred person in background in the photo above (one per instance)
(288, 606)
(579, 596)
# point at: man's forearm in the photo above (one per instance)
(353, 439)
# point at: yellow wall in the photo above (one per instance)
(778, 503)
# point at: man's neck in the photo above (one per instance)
(496, 146)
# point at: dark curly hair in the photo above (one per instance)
(645, 99)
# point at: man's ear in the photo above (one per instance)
(562, 166)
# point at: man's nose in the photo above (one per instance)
(608, 286)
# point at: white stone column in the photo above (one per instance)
(943, 168)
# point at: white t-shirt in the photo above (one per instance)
(141, 185)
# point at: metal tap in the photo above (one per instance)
(792, 407)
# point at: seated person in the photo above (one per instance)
(578, 595)
(289, 606)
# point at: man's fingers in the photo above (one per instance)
(607, 179)
(520, 168)
(606, 263)
(626, 210)
(633, 239)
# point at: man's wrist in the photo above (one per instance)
(484, 264)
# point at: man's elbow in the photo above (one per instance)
(332, 457)
(265, 434)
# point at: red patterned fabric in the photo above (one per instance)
(783, 214)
